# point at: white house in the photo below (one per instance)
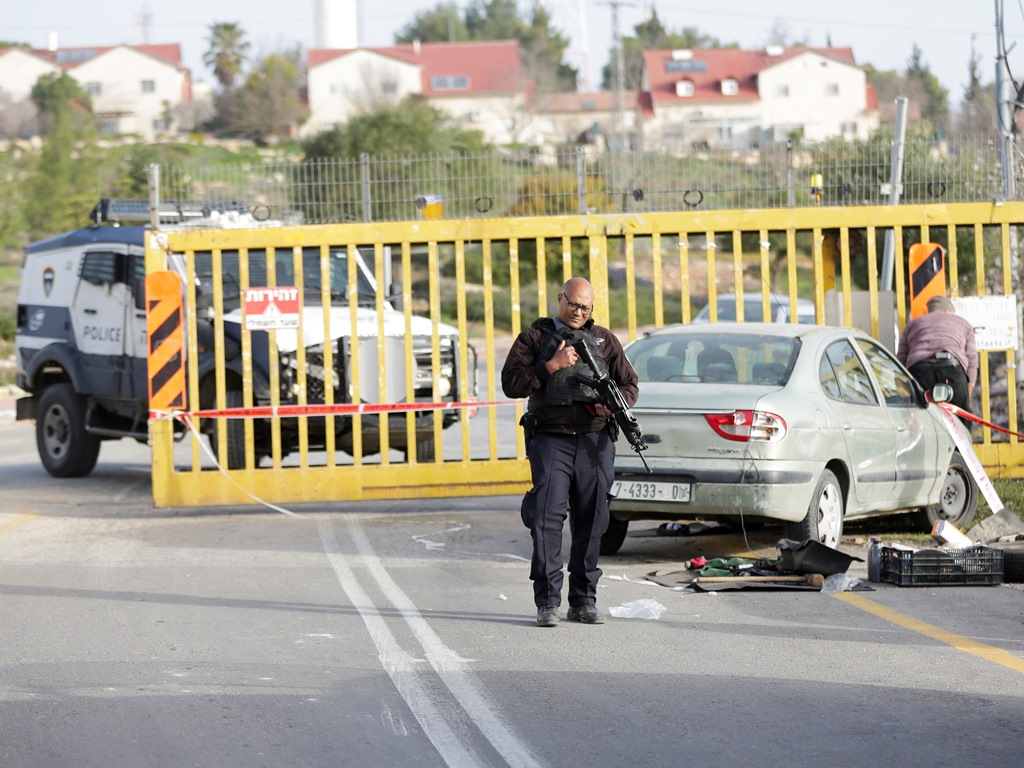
(480, 84)
(20, 68)
(740, 99)
(142, 90)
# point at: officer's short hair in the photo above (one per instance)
(940, 304)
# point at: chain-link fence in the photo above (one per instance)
(530, 183)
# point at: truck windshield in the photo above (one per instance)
(285, 273)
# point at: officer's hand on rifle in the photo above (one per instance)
(564, 357)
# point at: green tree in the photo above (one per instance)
(412, 127)
(268, 104)
(226, 56)
(934, 99)
(63, 188)
(439, 24)
(977, 113)
(409, 128)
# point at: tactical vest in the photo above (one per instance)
(562, 387)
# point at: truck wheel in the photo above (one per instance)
(234, 429)
(824, 520)
(65, 448)
(958, 500)
(425, 450)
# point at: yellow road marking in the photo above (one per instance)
(965, 644)
(17, 521)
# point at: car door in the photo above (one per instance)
(863, 421)
(918, 463)
(136, 348)
(99, 310)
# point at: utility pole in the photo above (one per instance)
(895, 188)
(1005, 113)
(618, 75)
(1004, 106)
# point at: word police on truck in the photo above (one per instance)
(82, 348)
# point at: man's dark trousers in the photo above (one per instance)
(931, 372)
(573, 470)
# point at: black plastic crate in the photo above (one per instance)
(942, 567)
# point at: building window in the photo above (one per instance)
(691, 65)
(149, 86)
(108, 128)
(832, 89)
(450, 83)
(74, 57)
(337, 89)
(684, 88)
(730, 87)
(93, 89)
(389, 88)
(161, 126)
(848, 129)
(782, 90)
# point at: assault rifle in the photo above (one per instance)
(609, 396)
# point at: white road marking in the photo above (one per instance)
(452, 669)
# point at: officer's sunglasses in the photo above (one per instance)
(582, 308)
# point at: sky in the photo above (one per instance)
(880, 32)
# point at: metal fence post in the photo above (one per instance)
(364, 169)
(790, 189)
(154, 195)
(581, 182)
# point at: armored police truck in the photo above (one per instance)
(82, 349)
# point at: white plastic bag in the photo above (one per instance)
(645, 608)
(839, 582)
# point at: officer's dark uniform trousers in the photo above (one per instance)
(580, 468)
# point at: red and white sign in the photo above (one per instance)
(271, 309)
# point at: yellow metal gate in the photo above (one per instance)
(489, 278)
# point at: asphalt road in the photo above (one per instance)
(402, 634)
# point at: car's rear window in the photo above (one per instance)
(715, 358)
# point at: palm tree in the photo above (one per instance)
(227, 53)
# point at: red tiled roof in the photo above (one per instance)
(723, 64)
(169, 53)
(491, 66)
(872, 98)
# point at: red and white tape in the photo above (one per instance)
(322, 409)
(965, 445)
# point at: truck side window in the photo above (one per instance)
(99, 267)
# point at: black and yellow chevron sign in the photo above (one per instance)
(166, 337)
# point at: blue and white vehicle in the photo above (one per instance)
(82, 350)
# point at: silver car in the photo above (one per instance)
(804, 424)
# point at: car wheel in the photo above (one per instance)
(234, 429)
(612, 539)
(1013, 561)
(64, 446)
(824, 520)
(958, 500)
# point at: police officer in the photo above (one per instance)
(938, 348)
(570, 446)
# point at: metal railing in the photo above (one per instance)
(573, 181)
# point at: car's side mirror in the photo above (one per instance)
(941, 393)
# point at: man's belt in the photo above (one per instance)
(945, 358)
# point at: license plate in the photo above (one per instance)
(651, 491)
